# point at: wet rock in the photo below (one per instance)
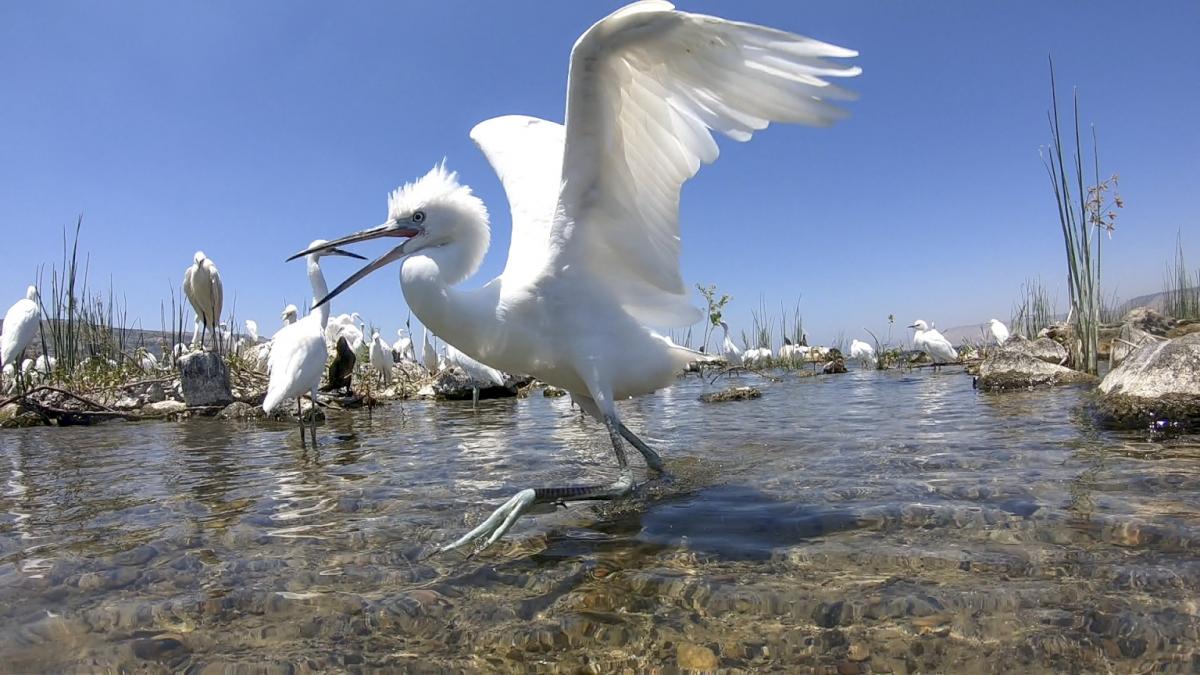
(835, 362)
(167, 407)
(1128, 339)
(158, 648)
(13, 416)
(1149, 320)
(858, 651)
(1043, 348)
(731, 394)
(690, 656)
(1158, 384)
(240, 410)
(127, 403)
(155, 393)
(553, 392)
(453, 384)
(1017, 368)
(1184, 328)
(204, 378)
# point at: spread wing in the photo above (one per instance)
(526, 153)
(646, 89)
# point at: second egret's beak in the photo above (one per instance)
(389, 229)
(338, 251)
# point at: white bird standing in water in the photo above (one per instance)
(203, 288)
(999, 330)
(477, 372)
(297, 358)
(594, 256)
(862, 352)
(933, 343)
(733, 355)
(21, 323)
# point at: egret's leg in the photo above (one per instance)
(652, 459)
(313, 396)
(300, 417)
(474, 398)
(503, 518)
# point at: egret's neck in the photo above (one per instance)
(462, 318)
(319, 289)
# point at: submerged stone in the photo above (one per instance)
(731, 394)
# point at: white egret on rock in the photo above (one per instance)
(594, 255)
(381, 358)
(999, 330)
(429, 357)
(21, 323)
(203, 288)
(298, 356)
(402, 349)
(933, 343)
(862, 352)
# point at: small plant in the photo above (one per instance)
(1182, 289)
(1033, 311)
(715, 307)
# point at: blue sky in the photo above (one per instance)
(249, 129)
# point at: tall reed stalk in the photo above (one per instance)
(1182, 289)
(1080, 209)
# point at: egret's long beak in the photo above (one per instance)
(389, 229)
(348, 254)
(912, 325)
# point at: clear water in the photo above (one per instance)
(877, 522)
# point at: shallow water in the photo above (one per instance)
(878, 522)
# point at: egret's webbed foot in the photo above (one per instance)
(652, 459)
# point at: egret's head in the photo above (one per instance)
(31, 293)
(199, 257)
(994, 321)
(289, 313)
(919, 325)
(433, 211)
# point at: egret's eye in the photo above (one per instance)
(418, 216)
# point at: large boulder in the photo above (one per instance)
(204, 378)
(1149, 320)
(1014, 366)
(1157, 385)
(1127, 340)
(1043, 349)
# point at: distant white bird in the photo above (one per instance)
(862, 352)
(347, 326)
(252, 330)
(933, 343)
(594, 256)
(381, 357)
(43, 366)
(478, 373)
(428, 356)
(21, 323)
(402, 349)
(147, 360)
(290, 314)
(203, 288)
(999, 330)
(297, 359)
(729, 350)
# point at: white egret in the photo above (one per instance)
(862, 352)
(428, 356)
(381, 358)
(203, 288)
(999, 330)
(402, 349)
(933, 343)
(21, 323)
(252, 330)
(298, 357)
(733, 355)
(289, 315)
(477, 372)
(594, 256)
(147, 360)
